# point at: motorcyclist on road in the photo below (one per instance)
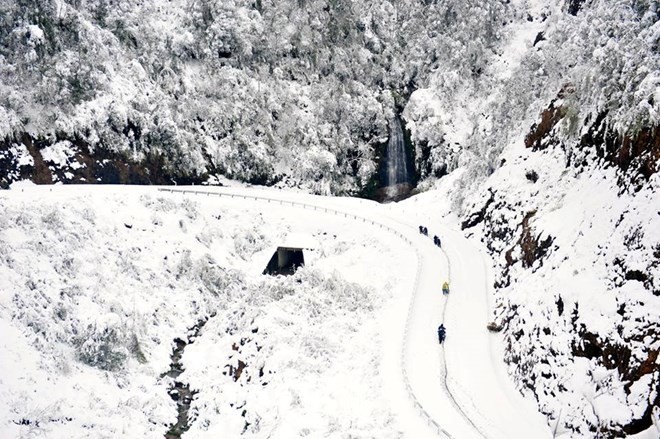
(441, 333)
(445, 288)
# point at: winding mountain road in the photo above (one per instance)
(459, 389)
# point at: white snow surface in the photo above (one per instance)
(579, 321)
(97, 282)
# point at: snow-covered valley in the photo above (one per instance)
(526, 132)
(98, 282)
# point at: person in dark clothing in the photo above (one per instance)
(426, 231)
(441, 333)
(421, 229)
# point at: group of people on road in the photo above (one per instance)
(424, 231)
(442, 332)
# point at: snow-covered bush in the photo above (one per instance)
(104, 345)
(281, 339)
(249, 240)
(83, 294)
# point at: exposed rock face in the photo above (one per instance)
(532, 249)
(636, 154)
(63, 160)
(574, 6)
(539, 137)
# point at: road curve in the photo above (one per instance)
(437, 392)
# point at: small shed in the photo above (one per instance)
(289, 256)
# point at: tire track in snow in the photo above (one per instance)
(431, 422)
(445, 377)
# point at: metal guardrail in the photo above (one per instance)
(432, 423)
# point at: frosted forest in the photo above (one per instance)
(300, 93)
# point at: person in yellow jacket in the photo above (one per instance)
(445, 288)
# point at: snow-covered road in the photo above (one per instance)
(477, 378)
(458, 390)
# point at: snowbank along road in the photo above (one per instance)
(456, 390)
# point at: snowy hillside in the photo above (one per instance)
(579, 294)
(97, 284)
(303, 93)
(560, 184)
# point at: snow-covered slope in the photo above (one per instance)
(578, 294)
(198, 258)
(285, 357)
(96, 285)
(575, 277)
